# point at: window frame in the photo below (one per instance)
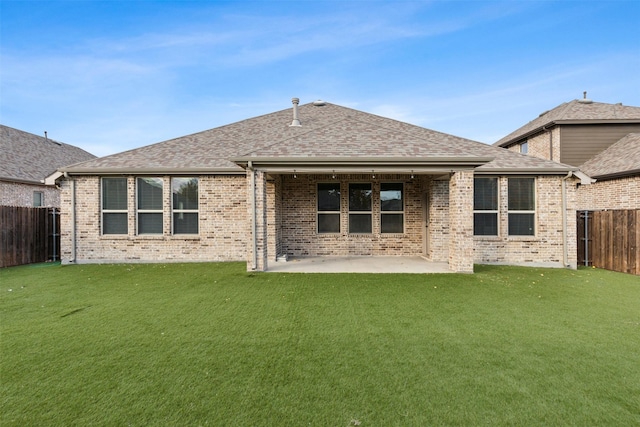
(104, 211)
(495, 211)
(369, 212)
(392, 212)
(337, 212)
(521, 211)
(524, 147)
(175, 211)
(159, 211)
(40, 201)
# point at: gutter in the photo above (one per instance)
(153, 171)
(72, 183)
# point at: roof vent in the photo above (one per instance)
(584, 99)
(319, 103)
(296, 121)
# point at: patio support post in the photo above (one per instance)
(260, 217)
(461, 222)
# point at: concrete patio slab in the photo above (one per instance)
(359, 264)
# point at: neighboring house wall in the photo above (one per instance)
(581, 142)
(223, 226)
(546, 247)
(18, 194)
(621, 193)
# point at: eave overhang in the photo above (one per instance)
(525, 171)
(152, 171)
(429, 165)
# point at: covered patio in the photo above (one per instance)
(359, 264)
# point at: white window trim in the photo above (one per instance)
(112, 211)
(350, 212)
(404, 217)
(184, 211)
(496, 211)
(319, 212)
(534, 211)
(143, 211)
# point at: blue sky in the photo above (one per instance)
(109, 76)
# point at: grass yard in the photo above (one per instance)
(210, 344)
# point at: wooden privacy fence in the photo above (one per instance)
(610, 239)
(28, 235)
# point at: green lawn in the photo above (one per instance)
(209, 344)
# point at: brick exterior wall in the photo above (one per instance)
(299, 224)
(546, 247)
(622, 193)
(288, 224)
(223, 225)
(18, 194)
(538, 145)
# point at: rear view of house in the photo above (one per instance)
(320, 179)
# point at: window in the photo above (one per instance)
(114, 206)
(38, 199)
(521, 206)
(485, 206)
(360, 208)
(329, 208)
(391, 208)
(524, 147)
(149, 205)
(185, 205)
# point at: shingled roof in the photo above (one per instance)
(574, 112)
(30, 158)
(620, 159)
(327, 131)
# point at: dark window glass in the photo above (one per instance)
(521, 224)
(485, 224)
(329, 197)
(360, 197)
(114, 223)
(150, 193)
(328, 223)
(521, 194)
(360, 223)
(185, 193)
(114, 193)
(185, 223)
(391, 197)
(392, 223)
(485, 194)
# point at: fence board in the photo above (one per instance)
(26, 235)
(610, 239)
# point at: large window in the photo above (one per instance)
(360, 208)
(329, 208)
(185, 205)
(391, 208)
(522, 206)
(485, 206)
(114, 206)
(149, 205)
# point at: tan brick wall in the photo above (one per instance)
(546, 247)
(461, 222)
(223, 226)
(18, 194)
(622, 193)
(299, 224)
(538, 145)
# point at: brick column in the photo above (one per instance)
(461, 222)
(257, 199)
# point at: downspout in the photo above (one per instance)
(565, 249)
(254, 219)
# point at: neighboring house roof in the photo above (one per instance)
(620, 159)
(30, 158)
(329, 134)
(578, 111)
